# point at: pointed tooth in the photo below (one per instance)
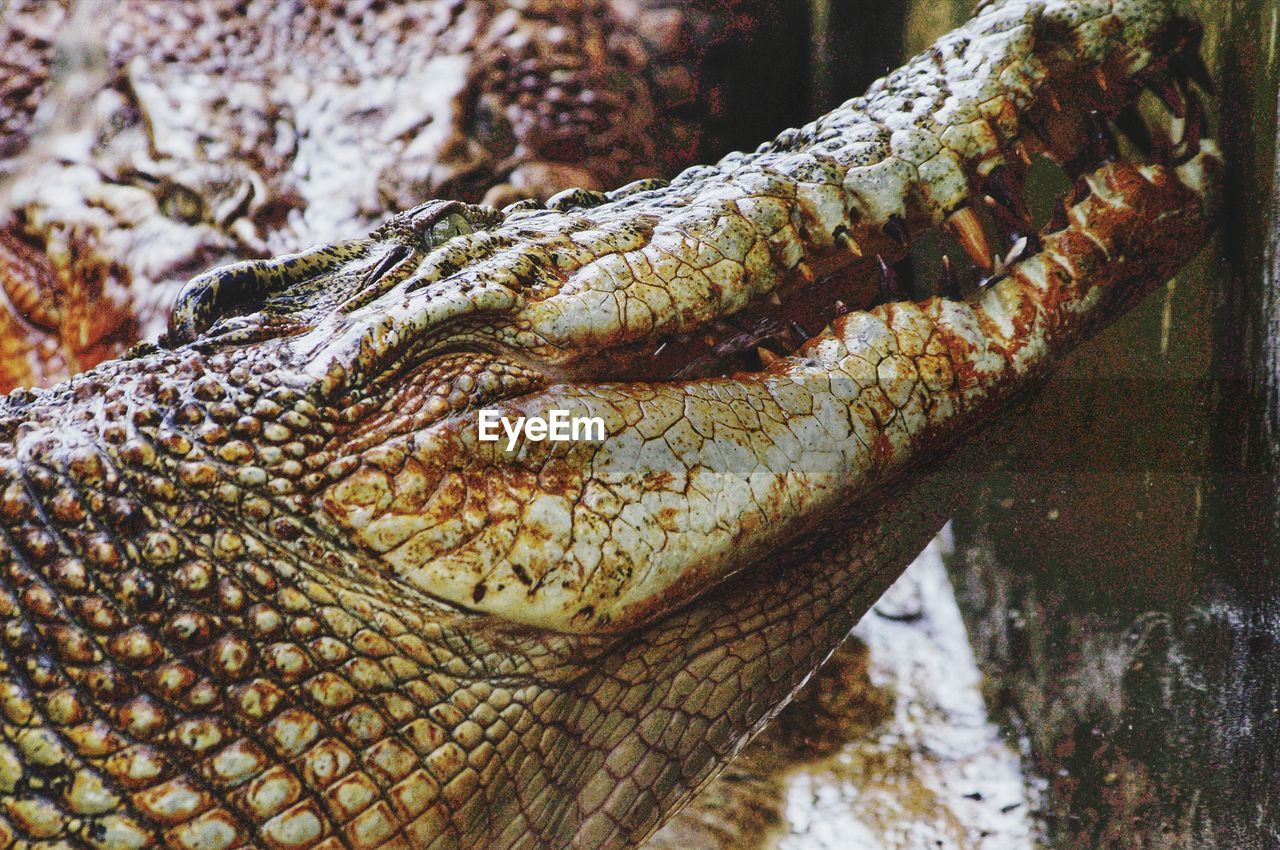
(841, 307)
(805, 271)
(773, 298)
(767, 357)
(845, 241)
(1101, 78)
(1019, 249)
(1131, 124)
(1021, 150)
(1052, 97)
(950, 283)
(967, 230)
(889, 290)
(1016, 253)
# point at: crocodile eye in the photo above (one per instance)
(181, 203)
(453, 224)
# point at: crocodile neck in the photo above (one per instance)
(162, 660)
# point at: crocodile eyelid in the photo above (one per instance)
(386, 274)
(244, 287)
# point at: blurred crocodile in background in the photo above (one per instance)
(264, 587)
(184, 135)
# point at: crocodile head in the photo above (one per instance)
(269, 586)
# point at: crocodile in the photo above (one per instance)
(162, 154)
(265, 584)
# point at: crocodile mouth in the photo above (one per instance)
(1079, 126)
(769, 340)
(1083, 125)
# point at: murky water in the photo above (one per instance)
(937, 772)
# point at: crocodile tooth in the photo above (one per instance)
(805, 271)
(950, 285)
(967, 230)
(773, 298)
(1016, 252)
(767, 357)
(889, 289)
(844, 240)
(1101, 79)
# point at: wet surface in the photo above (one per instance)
(937, 773)
(890, 746)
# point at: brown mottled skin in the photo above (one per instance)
(211, 131)
(264, 586)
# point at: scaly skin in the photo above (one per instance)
(264, 586)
